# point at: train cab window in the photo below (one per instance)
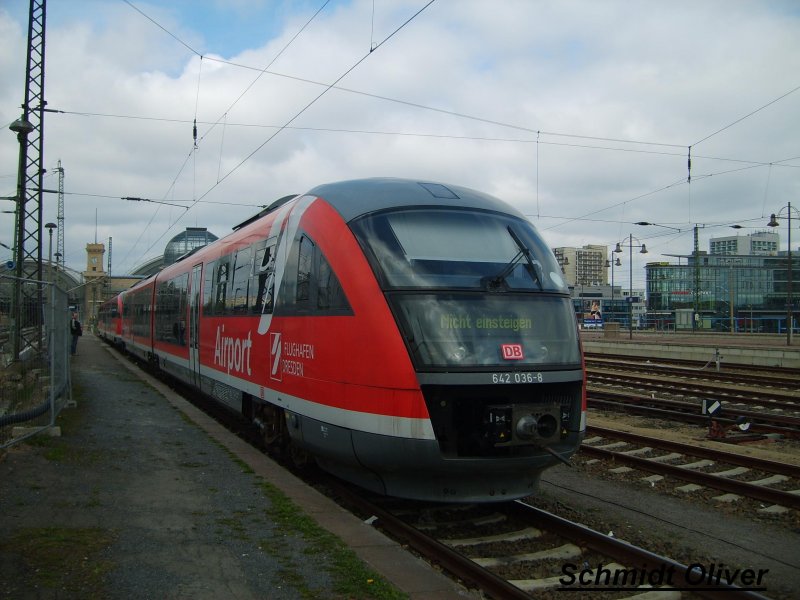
(457, 249)
(330, 295)
(310, 286)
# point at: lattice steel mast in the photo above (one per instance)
(30, 132)
(60, 219)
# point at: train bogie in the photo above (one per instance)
(414, 338)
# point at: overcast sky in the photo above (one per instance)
(581, 114)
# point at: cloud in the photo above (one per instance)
(573, 79)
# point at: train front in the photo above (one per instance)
(489, 326)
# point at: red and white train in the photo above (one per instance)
(415, 338)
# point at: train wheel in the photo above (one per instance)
(299, 458)
(273, 426)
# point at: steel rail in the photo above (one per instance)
(741, 460)
(785, 400)
(473, 574)
(663, 367)
(741, 488)
(726, 367)
(624, 552)
(450, 560)
(687, 411)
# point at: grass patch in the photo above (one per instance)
(246, 469)
(59, 450)
(236, 525)
(66, 561)
(350, 577)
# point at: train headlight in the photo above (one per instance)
(547, 426)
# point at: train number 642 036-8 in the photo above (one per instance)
(517, 378)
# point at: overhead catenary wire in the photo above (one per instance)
(779, 163)
(328, 86)
(291, 119)
(194, 123)
(454, 113)
(748, 115)
(162, 28)
(265, 69)
(539, 132)
(663, 188)
(317, 98)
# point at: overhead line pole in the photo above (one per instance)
(27, 309)
(60, 219)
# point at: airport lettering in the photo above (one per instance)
(231, 353)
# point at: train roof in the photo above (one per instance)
(358, 197)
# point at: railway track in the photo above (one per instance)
(787, 399)
(690, 412)
(728, 369)
(780, 380)
(502, 567)
(775, 483)
(513, 550)
(516, 551)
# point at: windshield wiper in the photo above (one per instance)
(532, 266)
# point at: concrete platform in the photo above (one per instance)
(174, 506)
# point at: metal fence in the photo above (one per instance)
(34, 371)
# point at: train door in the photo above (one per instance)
(194, 324)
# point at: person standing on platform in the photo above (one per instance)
(76, 330)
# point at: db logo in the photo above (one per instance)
(512, 351)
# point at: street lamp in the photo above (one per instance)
(643, 250)
(773, 222)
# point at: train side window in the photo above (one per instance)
(141, 312)
(221, 285)
(243, 265)
(164, 310)
(310, 285)
(264, 279)
(208, 286)
(259, 250)
(182, 292)
(305, 262)
(170, 313)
